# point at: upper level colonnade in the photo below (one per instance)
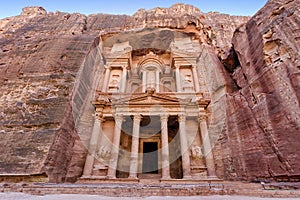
(163, 73)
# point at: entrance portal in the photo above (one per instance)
(150, 158)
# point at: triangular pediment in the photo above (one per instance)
(147, 99)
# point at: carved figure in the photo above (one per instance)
(187, 82)
(115, 80)
(196, 152)
(103, 153)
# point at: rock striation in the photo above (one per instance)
(263, 110)
(49, 64)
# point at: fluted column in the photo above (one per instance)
(209, 159)
(135, 146)
(178, 79)
(115, 147)
(97, 131)
(157, 81)
(196, 80)
(186, 166)
(165, 147)
(106, 79)
(123, 80)
(144, 84)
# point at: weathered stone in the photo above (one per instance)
(263, 114)
(33, 11)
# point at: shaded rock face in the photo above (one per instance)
(51, 64)
(263, 113)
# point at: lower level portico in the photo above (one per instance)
(163, 144)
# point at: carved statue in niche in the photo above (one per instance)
(167, 86)
(187, 81)
(114, 82)
(196, 152)
(103, 154)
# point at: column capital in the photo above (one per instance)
(137, 117)
(181, 118)
(108, 67)
(202, 117)
(118, 117)
(99, 116)
(164, 117)
(125, 67)
(177, 66)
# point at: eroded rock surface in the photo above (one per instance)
(263, 113)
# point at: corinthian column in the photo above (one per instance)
(123, 81)
(165, 147)
(196, 80)
(89, 162)
(186, 166)
(178, 81)
(106, 79)
(115, 147)
(209, 159)
(135, 146)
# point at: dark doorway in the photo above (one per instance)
(150, 158)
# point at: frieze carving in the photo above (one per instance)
(103, 98)
(202, 117)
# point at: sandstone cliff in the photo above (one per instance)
(49, 64)
(263, 111)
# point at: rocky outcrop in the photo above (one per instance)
(263, 112)
(40, 59)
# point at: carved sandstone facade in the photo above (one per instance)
(150, 115)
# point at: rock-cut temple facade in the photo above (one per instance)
(151, 115)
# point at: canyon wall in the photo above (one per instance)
(263, 111)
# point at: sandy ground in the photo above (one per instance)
(21, 196)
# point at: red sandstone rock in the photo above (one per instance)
(263, 113)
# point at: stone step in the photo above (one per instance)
(142, 190)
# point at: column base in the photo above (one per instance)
(212, 178)
(166, 178)
(133, 177)
(111, 177)
(187, 177)
(86, 176)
